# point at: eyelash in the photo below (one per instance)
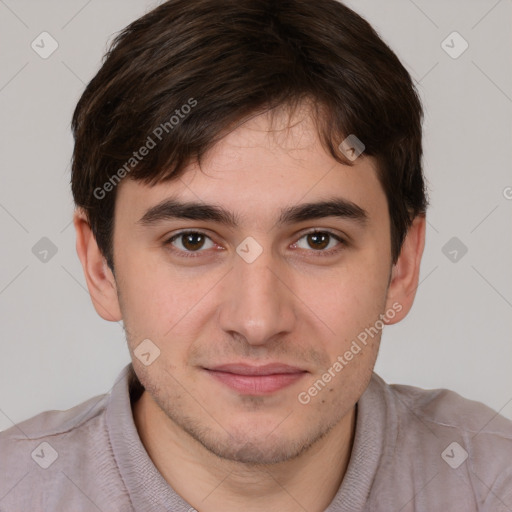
(195, 254)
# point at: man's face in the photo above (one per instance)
(301, 302)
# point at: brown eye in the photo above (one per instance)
(322, 242)
(193, 241)
(190, 242)
(318, 240)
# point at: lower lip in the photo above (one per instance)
(256, 384)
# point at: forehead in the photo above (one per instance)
(260, 167)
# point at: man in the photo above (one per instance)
(250, 203)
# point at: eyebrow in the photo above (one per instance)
(171, 209)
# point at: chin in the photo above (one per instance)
(259, 452)
(251, 445)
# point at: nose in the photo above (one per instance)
(258, 303)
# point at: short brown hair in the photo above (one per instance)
(227, 60)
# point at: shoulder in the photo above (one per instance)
(461, 447)
(45, 458)
(446, 409)
(64, 460)
(55, 423)
(470, 430)
(50, 434)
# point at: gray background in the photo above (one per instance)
(56, 351)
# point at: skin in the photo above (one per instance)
(218, 448)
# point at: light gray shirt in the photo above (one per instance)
(414, 450)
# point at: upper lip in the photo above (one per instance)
(247, 369)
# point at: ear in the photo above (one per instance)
(100, 279)
(405, 272)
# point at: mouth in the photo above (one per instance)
(256, 380)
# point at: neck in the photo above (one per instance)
(210, 483)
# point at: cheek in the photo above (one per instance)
(348, 299)
(146, 283)
(163, 303)
(149, 301)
